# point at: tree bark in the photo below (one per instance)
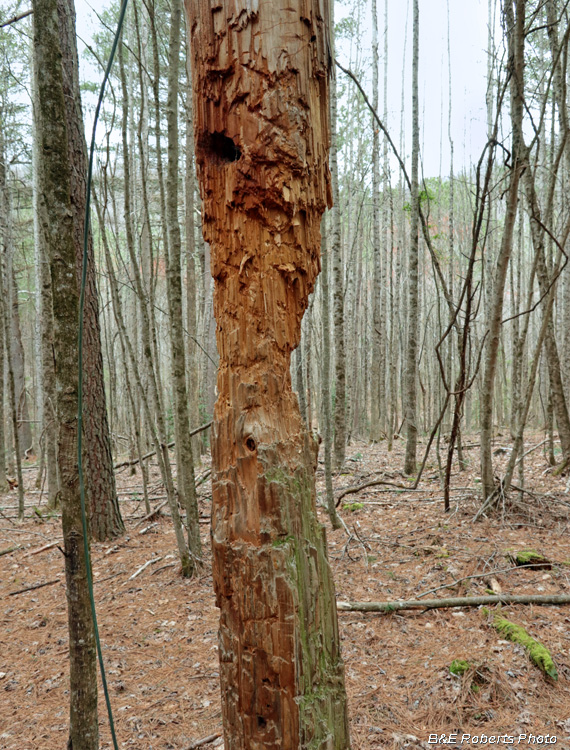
(48, 439)
(105, 516)
(262, 137)
(185, 462)
(326, 377)
(192, 353)
(59, 232)
(515, 28)
(6, 304)
(413, 257)
(375, 384)
(338, 296)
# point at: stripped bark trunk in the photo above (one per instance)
(262, 137)
(58, 227)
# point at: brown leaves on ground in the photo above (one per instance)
(159, 631)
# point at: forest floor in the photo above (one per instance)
(159, 630)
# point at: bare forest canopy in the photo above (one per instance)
(488, 274)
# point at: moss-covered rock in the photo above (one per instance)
(529, 558)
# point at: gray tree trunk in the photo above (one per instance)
(58, 227)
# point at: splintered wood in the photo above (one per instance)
(260, 87)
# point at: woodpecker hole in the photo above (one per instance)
(221, 148)
(250, 444)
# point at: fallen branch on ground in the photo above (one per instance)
(488, 574)
(152, 514)
(373, 483)
(9, 549)
(143, 567)
(203, 741)
(460, 601)
(34, 587)
(37, 551)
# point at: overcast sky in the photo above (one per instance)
(468, 26)
(468, 43)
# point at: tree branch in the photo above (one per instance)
(19, 17)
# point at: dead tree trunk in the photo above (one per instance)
(260, 75)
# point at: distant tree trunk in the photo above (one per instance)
(186, 481)
(299, 377)
(192, 353)
(58, 226)
(338, 296)
(375, 385)
(105, 516)
(262, 137)
(155, 401)
(25, 440)
(147, 401)
(4, 486)
(410, 407)
(326, 378)
(6, 292)
(515, 34)
(48, 438)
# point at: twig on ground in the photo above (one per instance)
(152, 514)
(34, 587)
(9, 549)
(42, 549)
(203, 741)
(144, 567)
(373, 483)
(488, 574)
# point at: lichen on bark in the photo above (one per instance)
(260, 87)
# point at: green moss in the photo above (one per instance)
(529, 557)
(459, 667)
(352, 506)
(538, 653)
(526, 556)
(281, 540)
